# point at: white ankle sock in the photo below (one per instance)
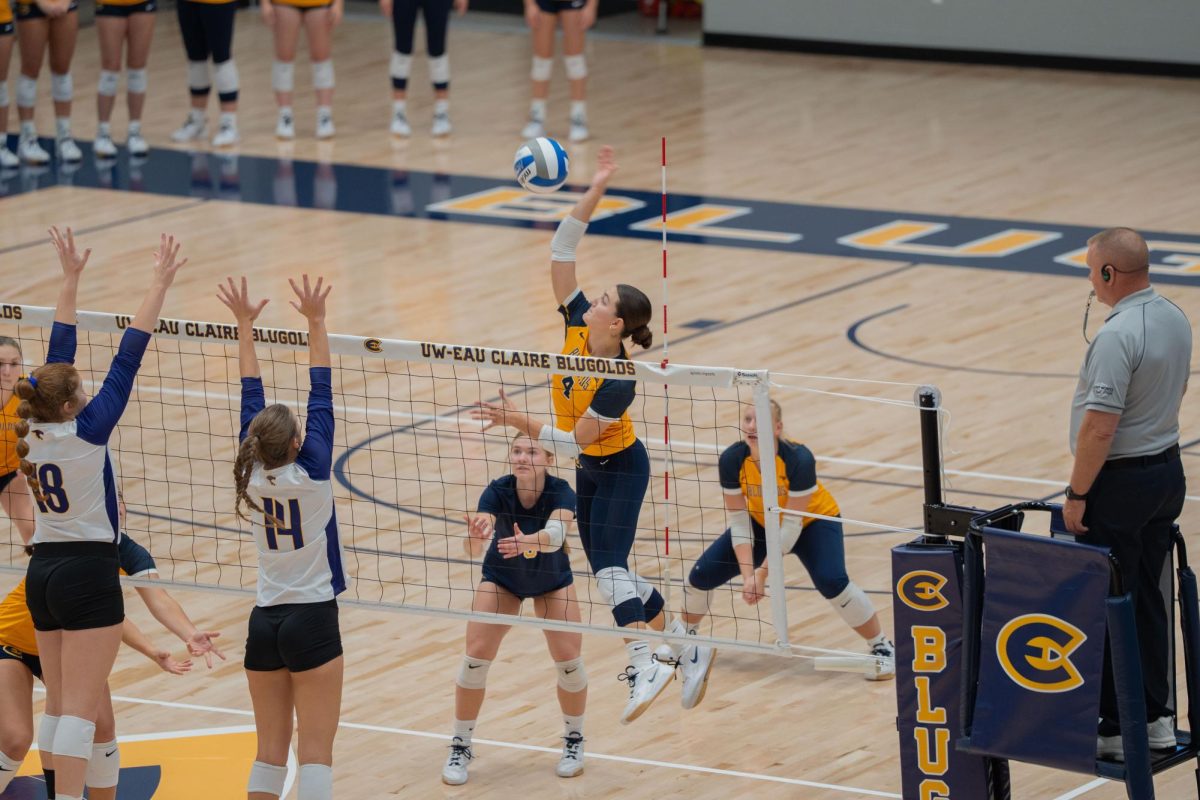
(880, 639)
(579, 109)
(399, 106)
(62, 127)
(104, 129)
(639, 654)
(441, 106)
(537, 109)
(463, 729)
(572, 724)
(135, 127)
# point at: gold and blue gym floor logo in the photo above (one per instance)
(1035, 652)
(921, 589)
(180, 765)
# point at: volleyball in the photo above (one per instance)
(541, 165)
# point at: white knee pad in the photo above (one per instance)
(576, 67)
(104, 769)
(616, 586)
(853, 605)
(472, 674)
(696, 601)
(46, 730)
(644, 588)
(401, 65)
(198, 79)
(572, 677)
(322, 74)
(316, 782)
(73, 737)
(540, 71)
(227, 77)
(8, 770)
(136, 81)
(108, 83)
(439, 69)
(266, 778)
(283, 76)
(3, 94)
(26, 91)
(62, 88)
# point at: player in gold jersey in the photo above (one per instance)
(592, 425)
(318, 18)
(14, 494)
(128, 25)
(47, 25)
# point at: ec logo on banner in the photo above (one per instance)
(921, 589)
(1035, 649)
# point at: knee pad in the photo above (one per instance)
(26, 92)
(576, 67)
(3, 94)
(283, 76)
(8, 770)
(73, 737)
(439, 71)
(540, 71)
(227, 81)
(316, 782)
(266, 778)
(198, 79)
(853, 605)
(652, 601)
(104, 768)
(616, 586)
(136, 81)
(696, 601)
(322, 74)
(62, 88)
(399, 69)
(472, 673)
(46, 730)
(572, 677)
(108, 83)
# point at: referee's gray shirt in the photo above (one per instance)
(1137, 366)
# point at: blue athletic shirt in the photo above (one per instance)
(531, 573)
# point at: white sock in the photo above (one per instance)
(880, 639)
(104, 129)
(324, 111)
(29, 129)
(315, 783)
(579, 109)
(10, 768)
(639, 654)
(572, 725)
(677, 628)
(62, 127)
(537, 109)
(399, 106)
(463, 729)
(61, 796)
(135, 127)
(229, 118)
(441, 106)
(285, 110)
(196, 115)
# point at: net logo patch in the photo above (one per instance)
(921, 590)
(1035, 653)
(373, 345)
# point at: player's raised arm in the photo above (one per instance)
(571, 229)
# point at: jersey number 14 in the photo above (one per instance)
(289, 515)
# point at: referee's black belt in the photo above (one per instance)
(1170, 454)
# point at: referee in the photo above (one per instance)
(1127, 484)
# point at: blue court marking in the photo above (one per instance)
(852, 233)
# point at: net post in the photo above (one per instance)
(766, 467)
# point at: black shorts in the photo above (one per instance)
(33, 663)
(31, 11)
(293, 636)
(8, 29)
(555, 6)
(108, 10)
(7, 477)
(74, 586)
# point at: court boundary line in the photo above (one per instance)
(113, 224)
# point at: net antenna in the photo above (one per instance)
(668, 464)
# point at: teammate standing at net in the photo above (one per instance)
(592, 425)
(523, 519)
(293, 658)
(207, 30)
(46, 25)
(73, 588)
(742, 548)
(285, 18)
(122, 23)
(404, 22)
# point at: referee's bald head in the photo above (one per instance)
(1123, 248)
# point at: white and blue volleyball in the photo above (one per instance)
(541, 165)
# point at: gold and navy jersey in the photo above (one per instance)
(607, 398)
(9, 461)
(795, 476)
(6, 14)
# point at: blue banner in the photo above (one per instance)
(1042, 650)
(928, 617)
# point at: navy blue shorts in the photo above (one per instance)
(609, 491)
(525, 589)
(31, 662)
(555, 6)
(6, 479)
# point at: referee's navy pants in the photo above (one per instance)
(1131, 508)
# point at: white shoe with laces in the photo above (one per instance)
(441, 125)
(571, 763)
(534, 128)
(285, 125)
(695, 662)
(67, 150)
(455, 771)
(400, 126)
(579, 129)
(325, 129)
(1162, 733)
(31, 151)
(193, 128)
(137, 145)
(104, 147)
(645, 686)
(227, 134)
(8, 159)
(886, 652)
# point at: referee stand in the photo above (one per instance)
(1001, 647)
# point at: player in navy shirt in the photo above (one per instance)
(523, 519)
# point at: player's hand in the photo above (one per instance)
(606, 166)
(68, 255)
(170, 665)
(1073, 516)
(167, 261)
(460, 6)
(238, 301)
(517, 544)
(312, 299)
(385, 7)
(494, 414)
(531, 14)
(200, 643)
(753, 589)
(479, 527)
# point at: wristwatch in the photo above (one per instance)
(1074, 495)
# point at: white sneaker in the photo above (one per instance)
(441, 125)
(137, 145)
(534, 128)
(579, 130)
(285, 126)
(227, 135)
(67, 150)
(193, 128)
(571, 763)
(325, 129)
(886, 669)
(31, 151)
(104, 147)
(400, 126)
(455, 771)
(1110, 748)
(8, 159)
(696, 663)
(644, 686)
(1162, 733)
